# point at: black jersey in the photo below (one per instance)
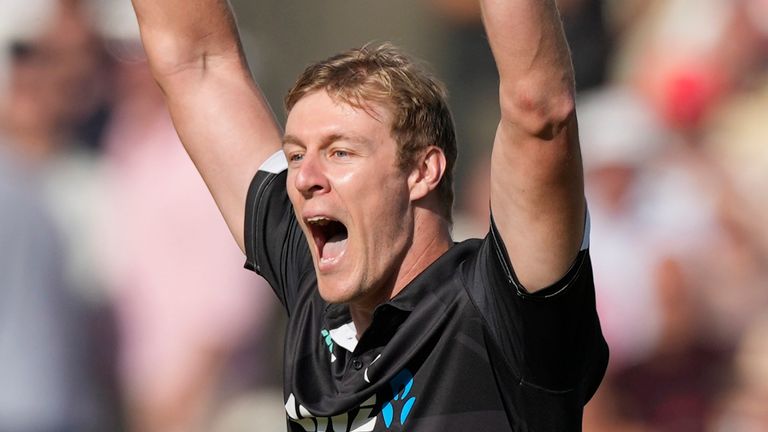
(461, 348)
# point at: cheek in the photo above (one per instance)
(378, 200)
(395, 194)
(388, 212)
(293, 194)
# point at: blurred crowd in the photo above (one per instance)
(123, 301)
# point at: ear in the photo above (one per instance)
(427, 173)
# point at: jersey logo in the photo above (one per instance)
(360, 420)
(401, 385)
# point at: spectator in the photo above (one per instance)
(183, 309)
(39, 365)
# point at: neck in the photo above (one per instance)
(431, 239)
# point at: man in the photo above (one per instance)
(391, 325)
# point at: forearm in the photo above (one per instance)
(532, 56)
(187, 34)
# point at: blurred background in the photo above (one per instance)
(123, 302)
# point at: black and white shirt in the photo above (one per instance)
(461, 348)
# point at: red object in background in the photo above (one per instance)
(688, 94)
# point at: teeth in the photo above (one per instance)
(319, 220)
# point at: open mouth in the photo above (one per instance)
(330, 237)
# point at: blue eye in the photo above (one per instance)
(295, 157)
(341, 153)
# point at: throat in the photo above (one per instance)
(430, 242)
(362, 317)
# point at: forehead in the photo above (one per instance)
(319, 114)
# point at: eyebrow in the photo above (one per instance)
(291, 139)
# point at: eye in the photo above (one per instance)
(295, 157)
(343, 154)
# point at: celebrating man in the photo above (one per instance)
(392, 326)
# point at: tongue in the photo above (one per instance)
(334, 246)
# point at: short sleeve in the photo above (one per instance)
(551, 339)
(275, 246)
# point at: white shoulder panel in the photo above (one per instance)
(275, 164)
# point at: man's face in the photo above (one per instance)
(351, 199)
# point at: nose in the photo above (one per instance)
(310, 178)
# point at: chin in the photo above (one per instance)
(335, 292)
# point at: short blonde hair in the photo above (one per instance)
(382, 73)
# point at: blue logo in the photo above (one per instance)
(401, 385)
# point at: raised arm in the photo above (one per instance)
(223, 121)
(537, 196)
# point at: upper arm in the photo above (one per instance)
(223, 121)
(537, 198)
(226, 127)
(537, 195)
(551, 339)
